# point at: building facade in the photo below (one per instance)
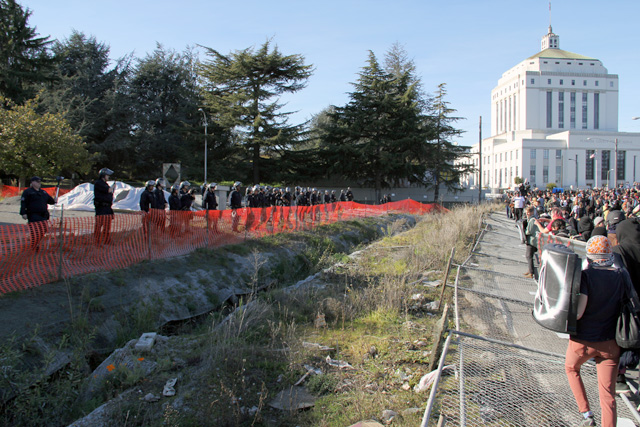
(554, 119)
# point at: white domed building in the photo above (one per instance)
(554, 119)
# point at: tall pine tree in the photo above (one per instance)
(442, 166)
(24, 58)
(373, 138)
(242, 90)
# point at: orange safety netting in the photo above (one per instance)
(39, 253)
(9, 191)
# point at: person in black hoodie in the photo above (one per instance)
(585, 227)
(103, 200)
(628, 247)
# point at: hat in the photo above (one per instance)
(599, 249)
(615, 217)
(598, 220)
(36, 178)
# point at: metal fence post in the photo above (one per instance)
(207, 235)
(61, 240)
(446, 276)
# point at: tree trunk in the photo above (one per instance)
(436, 191)
(22, 181)
(256, 161)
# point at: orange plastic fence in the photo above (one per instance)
(9, 191)
(39, 253)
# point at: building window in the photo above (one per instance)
(584, 110)
(588, 166)
(500, 156)
(561, 82)
(500, 117)
(620, 164)
(545, 173)
(511, 155)
(572, 110)
(533, 81)
(548, 81)
(596, 111)
(558, 154)
(497, 120)
(584, 83)
(509, 121)
(533, 154)
(545, 154)
(549, 109)
(605, 164)
(516, 156)
(573, 82)
(561, 110)
(516, 171)
(515, 120)
(610, 84)
(532, 174)
(597, 83)
(559, 175)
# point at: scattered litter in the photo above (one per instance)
(146, 341)
(416, 297)
(280, 377)
(169, 387)
(411, 411)
(388, 416)
(316, 371)
(338, 363)
(427, 379)
(310, 370)
(317, 346)
(406, 386)
(432, 283)
(433, 305)
(419, 343)
(292, 399)
(320, 322)
(373, 351)
(151, 398)
(368, 423)
(402, 375)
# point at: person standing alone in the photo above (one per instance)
(33, 208)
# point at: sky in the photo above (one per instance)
(466, 44)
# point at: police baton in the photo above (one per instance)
(59, 180)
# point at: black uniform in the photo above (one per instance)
(235, 200)
(147, 200)
(350, 195)
(34, 203)
(102, 198)
(186, 199)
(174, 203)
(210, 201)
(159, 201)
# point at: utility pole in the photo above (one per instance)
(480, 160)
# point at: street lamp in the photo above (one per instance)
(204, 118)
(576, 160)
(615, 160)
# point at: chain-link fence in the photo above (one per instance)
(500, 368)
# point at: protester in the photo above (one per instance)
(531, 235)
(601, 289)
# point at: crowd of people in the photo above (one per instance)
(607, 220)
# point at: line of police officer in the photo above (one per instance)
(260, 197)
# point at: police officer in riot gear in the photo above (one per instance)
(160, 202)
(33, 208)
(349, 194)
(103, 200)
(147, 199)
(210, 201)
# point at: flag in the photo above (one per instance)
(593, 156)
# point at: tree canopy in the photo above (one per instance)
(241, 91)
(24, 57)
(31, 143)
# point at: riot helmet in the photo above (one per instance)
(160, 182)
(185, 184)
(105, 171)
(150, 183)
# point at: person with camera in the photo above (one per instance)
(34, 209)
(103, 200)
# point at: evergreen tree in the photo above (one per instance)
(24, 59)
(85, 93)
(165, 101)
(373, 139)
(442, 167)
(241, 91)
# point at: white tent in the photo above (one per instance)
(125, 197)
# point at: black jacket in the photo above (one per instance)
(628, 234)
(102, 199)
(159, 201)
(34, 204)
(210, 201)
(174, 203)
(147, 200)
